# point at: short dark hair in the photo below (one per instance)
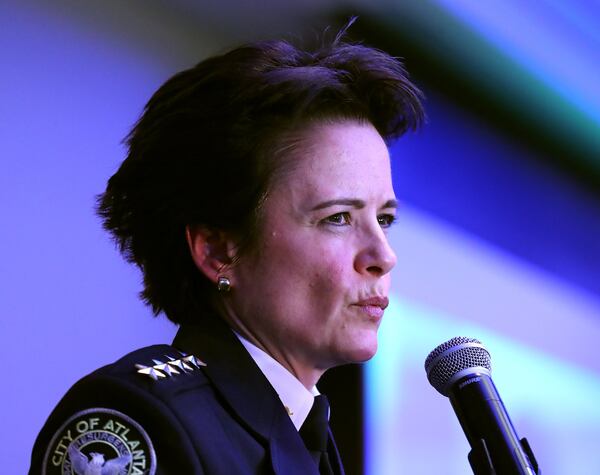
(202, 152)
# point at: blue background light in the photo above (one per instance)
(557, 40)
(540, 332)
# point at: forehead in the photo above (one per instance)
(340, 157)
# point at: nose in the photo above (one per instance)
(376, 257)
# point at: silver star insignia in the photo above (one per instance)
(149, 371)
(160, 369)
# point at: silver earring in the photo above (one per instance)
(223, 284)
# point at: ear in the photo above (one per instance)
(212, 250)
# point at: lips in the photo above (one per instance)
(373, 306)
(381, 302)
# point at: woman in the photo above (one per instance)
(255, 198)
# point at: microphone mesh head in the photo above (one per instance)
(452, 357)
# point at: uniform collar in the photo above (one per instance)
(245, 389)
(232, 372)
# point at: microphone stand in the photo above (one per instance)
(482, 464)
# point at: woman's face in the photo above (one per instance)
(313, 292)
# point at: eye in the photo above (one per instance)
(386, 220)
(338, 219)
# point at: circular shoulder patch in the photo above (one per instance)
(102, 441)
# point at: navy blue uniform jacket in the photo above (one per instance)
(221, 419)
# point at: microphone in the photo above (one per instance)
(460, 369)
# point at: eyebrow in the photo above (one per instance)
(352, 202)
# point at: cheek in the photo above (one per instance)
(311, 271)
(328, 280)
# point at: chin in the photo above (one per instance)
(362, 352)
(352, 347)
(366, 355)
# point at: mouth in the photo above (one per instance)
(373, 306)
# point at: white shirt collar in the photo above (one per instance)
(295, 397)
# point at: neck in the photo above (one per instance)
(303, 371)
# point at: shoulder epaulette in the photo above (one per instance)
(166, 369)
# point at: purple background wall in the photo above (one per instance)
(73, 80)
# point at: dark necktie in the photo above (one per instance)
(315, 433)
